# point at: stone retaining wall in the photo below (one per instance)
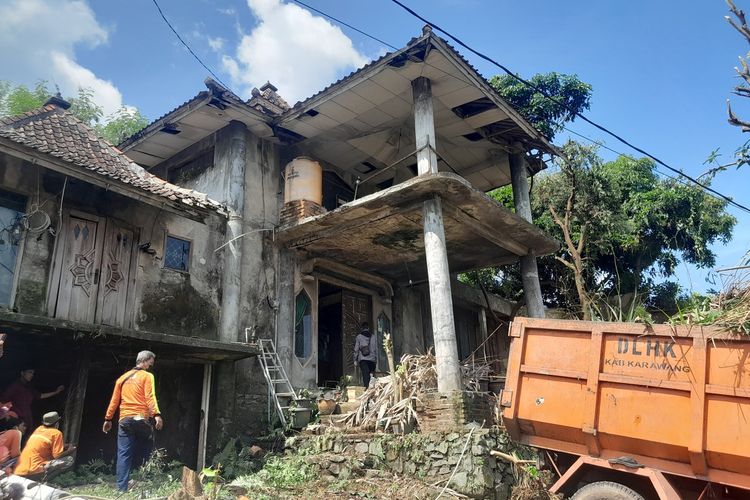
(431, 456)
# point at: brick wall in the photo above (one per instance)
(444, 413)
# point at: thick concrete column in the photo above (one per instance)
(436, 252)
(424, 126)
(285, 318)
(529, 271)
(230, 154)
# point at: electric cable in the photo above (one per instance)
(560, 102)
(161, 13)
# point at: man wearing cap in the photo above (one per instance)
(45, 455)
(135, 396)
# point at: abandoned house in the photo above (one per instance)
(226, 221)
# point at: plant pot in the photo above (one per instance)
(300, 417)
(326, 406)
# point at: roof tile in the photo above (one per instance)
(55, 131)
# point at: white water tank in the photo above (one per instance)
(303, 180)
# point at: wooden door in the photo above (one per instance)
(355, 308)
(80, 258)
(117, 254)
(93, 265)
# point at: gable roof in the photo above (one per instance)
(417, 51)
(55, 131)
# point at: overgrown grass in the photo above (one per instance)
(278, 473)
(156, 478)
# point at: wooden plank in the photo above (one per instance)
(696, 444)
(76, 395)
(645, 382)
(553, 372)
(591, 399)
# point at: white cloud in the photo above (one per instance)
(39, 39)
(227, 12)
(298, 52)
(216, 44)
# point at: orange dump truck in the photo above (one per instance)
(632, 411)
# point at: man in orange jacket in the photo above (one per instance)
(45, 455)
(135, 396)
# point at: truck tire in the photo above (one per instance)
(606, 490)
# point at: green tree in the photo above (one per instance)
(624, 230)
(18, 99)
(547, 115)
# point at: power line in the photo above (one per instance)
(343, 23)
(604, 146)
(161, 13)
(576, 113)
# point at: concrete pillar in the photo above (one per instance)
(285, 319)
(436, 252)
(441, 300)
(230, 153)
(424, 126)
(529, 271)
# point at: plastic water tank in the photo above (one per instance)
(304, 180)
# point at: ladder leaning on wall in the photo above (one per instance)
(279, 387)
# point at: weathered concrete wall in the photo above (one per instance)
(259, 289)
(34, 253)
(166, 301)
(408, 320)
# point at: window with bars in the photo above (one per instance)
(177, 254)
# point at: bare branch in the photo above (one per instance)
(743, 73)
(743, 29)
(745, 126)
(567, 264)
(581, 239)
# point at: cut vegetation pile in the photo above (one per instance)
(389, 402)
(728, 310)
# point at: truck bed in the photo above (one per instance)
(673, 398)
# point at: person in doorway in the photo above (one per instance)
(135, 396)
(366, 353)
(22, 394)
(45, 455)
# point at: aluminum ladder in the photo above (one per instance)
(279, 387)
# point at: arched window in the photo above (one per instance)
(303, 326)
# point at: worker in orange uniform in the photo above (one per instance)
(45, 455)
(135, 396)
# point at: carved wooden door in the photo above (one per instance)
(355, 308)
(113, 288)
(80, 258)
(91, 280)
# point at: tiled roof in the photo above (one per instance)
(55, 131)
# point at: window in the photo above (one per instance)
(177, 254)
(303, 326)
(384, 327)
(12, 208)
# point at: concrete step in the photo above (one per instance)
(354, 391)
(349, 406)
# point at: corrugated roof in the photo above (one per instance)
(55, 131)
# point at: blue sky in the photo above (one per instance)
(661, 71)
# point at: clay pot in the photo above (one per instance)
(326, 406)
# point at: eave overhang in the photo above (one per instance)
(189, 349)
(199, 117)
(383, 233)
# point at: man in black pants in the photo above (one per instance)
(366, 353)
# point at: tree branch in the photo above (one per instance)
(745, 126)
(566, 263)
(743, 29)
